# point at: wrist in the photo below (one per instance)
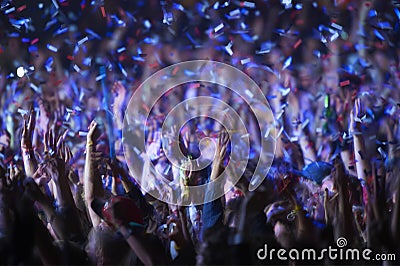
(89, 143)
(26, 144)
(131, 229)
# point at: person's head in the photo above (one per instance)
(106, 247)
(214, 246)
(278, 215)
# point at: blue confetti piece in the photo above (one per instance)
(138, 58)
(61, 31)
(379, 35)
(50, 24)
(298, 6)
(385, 25)
(190, 38)
(122, 70)
(234, 13)
(87, 61)
(93, 34)
(49, 64)
(216, 5)
(396, 10)
(372, 13)
(178, 7)
(189, 73)
(247, 37)
(149, 40)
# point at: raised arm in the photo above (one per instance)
(92, 183)
(28, 156)
(363, 165)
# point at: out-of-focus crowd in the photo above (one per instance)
(329, 69)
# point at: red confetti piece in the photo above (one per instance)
(344, 83)
(154, 65)
(34, 41)
(103, 11)
(21, 8)
(70, 57)
(146, 108)
(297, 44)
(175, 71)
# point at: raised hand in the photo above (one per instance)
(92, 134)
(220, 153)
(175, 231)
(119, 91)
(28, 129)
(44, 119)
(356, 115)
(223, 141)
(30, 164)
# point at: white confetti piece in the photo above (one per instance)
(76, 68)
(219, 27)
(82, 133)
(228, 48)
(83, 40)
(287, 63)
(52, 48)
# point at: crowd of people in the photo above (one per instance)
(329, 69)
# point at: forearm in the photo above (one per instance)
(48, 253)
(185, 231)
(362, 163)
(89, 184)
(346, 158)
(137, 241)
(307, 148)
(28, 157)
(126, 183)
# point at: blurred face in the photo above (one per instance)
(283, 234)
